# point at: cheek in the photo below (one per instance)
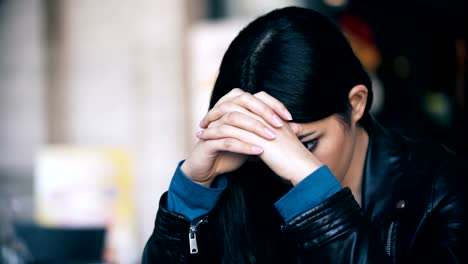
(333, 151)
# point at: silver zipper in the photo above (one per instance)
(388, 248)
(193, 234)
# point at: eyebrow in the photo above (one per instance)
(306, 135)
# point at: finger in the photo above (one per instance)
(249, 102)
(295, 127)
(227, 131)
(218, 111)
(233, 145)
(238, 109)
(274, 104)
(247, 122)
(258, 107)
(232, 94)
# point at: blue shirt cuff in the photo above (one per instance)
(191, 199)
(308, 193)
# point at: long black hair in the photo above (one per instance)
(301, 58)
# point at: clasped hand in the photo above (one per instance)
(242, 124)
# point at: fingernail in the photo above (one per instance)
(199, 133)
(201, 123)
(257, 149)
(288, 115)
(269, 133)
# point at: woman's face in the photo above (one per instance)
(332, 142)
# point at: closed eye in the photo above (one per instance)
(311, 144)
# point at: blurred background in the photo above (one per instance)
(99, 100)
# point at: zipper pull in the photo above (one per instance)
(193, 240)
(193, 234)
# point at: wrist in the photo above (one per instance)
(302, 169)
(187, 170)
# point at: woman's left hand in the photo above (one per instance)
(285, 155)
(288, 157)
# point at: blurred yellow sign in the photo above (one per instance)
(79, 186)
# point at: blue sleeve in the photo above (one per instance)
(308, 193)
(191, 199)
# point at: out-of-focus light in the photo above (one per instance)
(335, 3)
(379, 94)
(438, 106)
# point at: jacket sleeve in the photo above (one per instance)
(335, 231)
(447, 233)
(169, 242)
(182, 190)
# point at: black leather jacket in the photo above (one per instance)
(414, 210)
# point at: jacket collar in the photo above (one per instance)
(385, 164)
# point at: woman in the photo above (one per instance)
(290, 166)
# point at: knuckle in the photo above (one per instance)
(224, 107)
(265, 107)
(236, 91)
(259, 127)
(230, 117)
(245, 96)
(235, 117)
(221, 130)
(228, 144)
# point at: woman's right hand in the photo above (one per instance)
(234, 114)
